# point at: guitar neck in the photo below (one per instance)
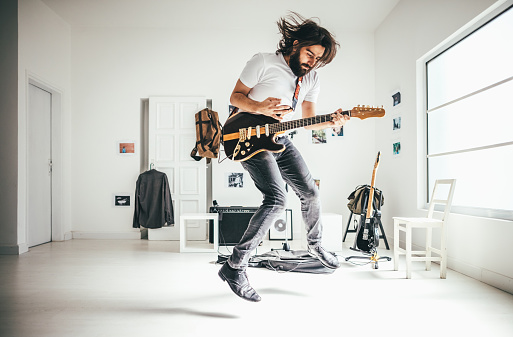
(299, 123)
(371, 192)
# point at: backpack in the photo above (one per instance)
(360, 195)
(208, 135)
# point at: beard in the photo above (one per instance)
(296, 67)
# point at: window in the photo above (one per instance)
(469, 121)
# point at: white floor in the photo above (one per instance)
(146, 288)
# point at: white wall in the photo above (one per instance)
(114, 68)
(8, 129)
(475, 246)
(44, 56)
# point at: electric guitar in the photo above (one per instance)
(367, 238)
(246, 134)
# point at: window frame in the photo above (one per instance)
(422, 111)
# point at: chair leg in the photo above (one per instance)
(396, 245)
(408, 251)
(443, 248)
(429, 239)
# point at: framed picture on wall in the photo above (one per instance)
(337, 132)
(126, 147)
(122, 200)
(396, 121)
(318, 136)
(235, 180)
(396, 146)
(396, 98)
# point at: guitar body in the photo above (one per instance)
(253, 145)
(368, 236)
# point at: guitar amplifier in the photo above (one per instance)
(233, 222)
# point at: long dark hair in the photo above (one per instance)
(308, 33)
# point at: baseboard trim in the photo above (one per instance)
(489, 277)
(13, 250)
(135, 235)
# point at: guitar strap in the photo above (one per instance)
(295, 96)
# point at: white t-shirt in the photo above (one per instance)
(269, 75)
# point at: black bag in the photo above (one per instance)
(208, 135)
(360, 195)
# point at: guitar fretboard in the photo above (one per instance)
(299, 123)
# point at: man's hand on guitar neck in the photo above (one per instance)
(338, 119)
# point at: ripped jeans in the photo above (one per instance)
(269, 171)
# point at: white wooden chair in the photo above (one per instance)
(407, 224)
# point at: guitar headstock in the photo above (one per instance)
(366, 111)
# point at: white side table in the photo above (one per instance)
(332, 228)
(183, 237)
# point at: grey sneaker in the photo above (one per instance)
(328, 259)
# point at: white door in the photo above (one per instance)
(171, 138)
(39, 217)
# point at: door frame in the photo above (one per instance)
(57, 156)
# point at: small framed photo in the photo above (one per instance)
(319, 136)
(122, 200)
(397, 98)
(337, 132)
(396, 145)
(396, 123)
(126, 148)
(235, 180)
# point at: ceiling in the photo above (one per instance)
(358, 15)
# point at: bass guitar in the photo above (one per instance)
(246, 134)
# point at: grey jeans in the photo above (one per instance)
(269, 171)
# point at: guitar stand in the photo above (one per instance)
(372, 255)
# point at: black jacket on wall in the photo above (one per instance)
(153, 204)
